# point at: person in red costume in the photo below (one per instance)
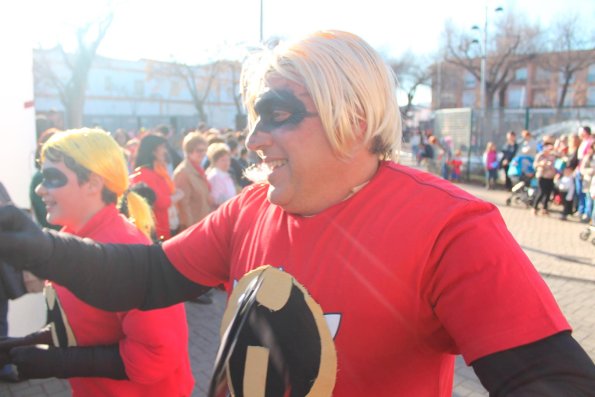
(150, 168)
(407, 269)
(128, 353)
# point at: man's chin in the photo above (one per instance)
(272, 194)
(275, 195)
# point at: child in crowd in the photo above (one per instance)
(222, 185)
(490, 161)
(565, 184)
(455, 166)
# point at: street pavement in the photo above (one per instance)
(566, 263)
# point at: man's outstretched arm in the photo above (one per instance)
(551, 367)
(113, 277)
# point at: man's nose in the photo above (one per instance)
(258, 138)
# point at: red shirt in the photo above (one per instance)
(153, 344)
(162, 198)
(409, 271)
(456, 165)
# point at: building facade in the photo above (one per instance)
(141, 94)
(535, 84)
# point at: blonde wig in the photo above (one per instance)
(350, 84)
(96, 151)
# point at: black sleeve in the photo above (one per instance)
(116, 277)
(552, 367)
(34, 362)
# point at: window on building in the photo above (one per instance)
(470, 80)
(591, 73)
(139, 88)
(468, 99)
(520, 74)
(591, 96)
(515, 97)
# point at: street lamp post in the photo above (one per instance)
(484, 56)
(261, 21)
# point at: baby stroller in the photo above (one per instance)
(522, 173)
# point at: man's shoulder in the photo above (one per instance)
(256, 192)
(411, 183)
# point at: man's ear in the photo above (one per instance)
(362, 126)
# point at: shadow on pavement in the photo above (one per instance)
(567, 258)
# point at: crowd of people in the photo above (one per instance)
(437, 156)
(556, 170)
(348, 274)
(559, 170)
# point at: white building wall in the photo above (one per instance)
(17, 149)
(129, 89)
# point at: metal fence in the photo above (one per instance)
(471, 129)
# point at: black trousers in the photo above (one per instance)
(546, 187)
(508, 182)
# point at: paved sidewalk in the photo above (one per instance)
(566, 263)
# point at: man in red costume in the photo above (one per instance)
(127, 353)
(408, 270)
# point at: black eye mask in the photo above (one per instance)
(53, 178)
(279, 108)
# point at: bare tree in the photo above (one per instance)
(199, 80)
(71, 86)
(513, 42)
(235, 69)
(569, 48)
(412, 71)
(198, 84)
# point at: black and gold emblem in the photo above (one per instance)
(275, 341)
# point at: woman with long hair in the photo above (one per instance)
(150, 168)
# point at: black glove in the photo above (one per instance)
(22, 243)
(35, 362)
(41, 337)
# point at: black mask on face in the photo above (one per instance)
(53, 178)
(279, 108)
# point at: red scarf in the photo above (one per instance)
(201, 172)
(161, 170)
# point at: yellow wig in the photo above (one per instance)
(98, 152)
